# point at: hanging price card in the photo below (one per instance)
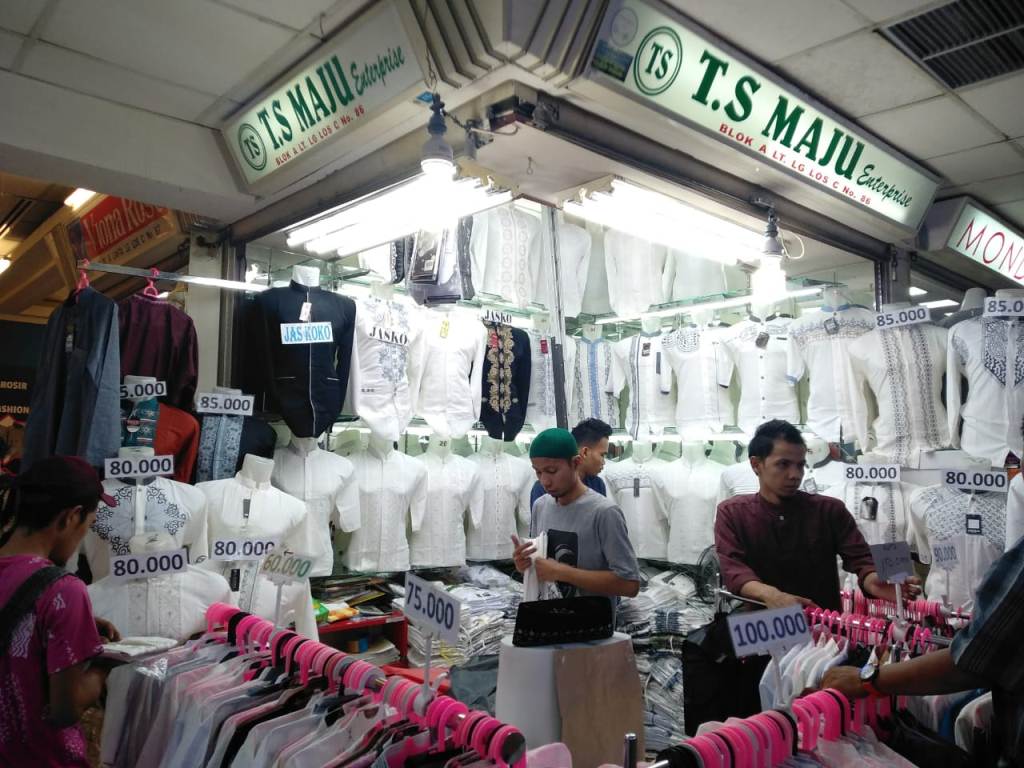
(872, 473)
(282, 568)
(967, 480)
(225, 404)
(892, 561)
(898, 317)
(124, 567)
(241, 549)
(141, 390)
(306, 333)
(139, 466)
(945, 554)
(775, 630)
(1004, 307)
(432, 609)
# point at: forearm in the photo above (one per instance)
(758, 590)
(598, 582)
(933, 673)
(74, 700)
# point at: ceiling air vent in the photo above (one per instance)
(966, 41)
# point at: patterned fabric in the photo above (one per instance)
(60, 633)
(138, 422)
(703, 369)
(219, 440)
(631, 485)
(574, 262)
(591, 382)
(639, 364)
(504, 489)
(453, 495)
(506, 381)
(687, 491)
(449, 396)
(758, 350)
(540, 411)
(501, 246)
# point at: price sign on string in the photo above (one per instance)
(1004, 307)
(892, 561)
(771, 631)
(125, 567)
(983, 480)
(896, 318)
(225, 404)
(432, 609)
(282, 568)
(139, 466)
(241, 549)
(945, 554)
(307, 333)
(141, 390)
(872, 473)
(497, 316)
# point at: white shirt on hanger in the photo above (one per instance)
(452, 380)
(590, 383)
(703, 369)
(688, 492)
(904, 368)
(631, 485)
(737, 479)
(326, 482)
(392, 499)
(819, 348)
(453, 494)
(885, 523)
(504, 493)
(758, 349)
(540, 411)
(689, 275)
(635, 273)
(574, 261)
(595, 294)
(501, 250)
(639, 363)
(989, 353)
(387, 365)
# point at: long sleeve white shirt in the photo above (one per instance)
(392, 499)
(595, 294)
(591, 383)
(758, 349)
(387, 365)
(885, 523)
(327, 483)
(639, 365)
(635, 273)
(452, 380)
(703, 369)
(574, 261)
(819, 349)
(688, 493)
(540, 410)
(505, 483)
(904, 369)
(989, 353)
(688, 275)
(501, 252)
(453, 495)
(1015, 511)
(631, 485)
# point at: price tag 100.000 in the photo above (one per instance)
(143, 389)
(945, 554)
(772, 631)
(892, 561)
(139, 466)
(985, 480)
(873, 473)
(241, 549)
(899, 317)
(282, 568)
(432, 609)
(225, 404)
(124, 567)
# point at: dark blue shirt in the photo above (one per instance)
(593, 481)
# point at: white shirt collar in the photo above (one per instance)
(248, 482)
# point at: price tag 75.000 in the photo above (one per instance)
(432, 609)
(775, 630)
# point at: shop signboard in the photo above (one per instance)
(985, 239)
(350, 79)
(117, 229)
(655, 58)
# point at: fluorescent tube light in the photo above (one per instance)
(738, 301)
(78, 198)
(915, 291)
(938, 303)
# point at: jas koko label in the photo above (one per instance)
(346, 80)
(658, 60)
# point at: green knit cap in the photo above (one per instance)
(554, 443)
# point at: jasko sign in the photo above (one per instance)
(656, 59)
(354, 76)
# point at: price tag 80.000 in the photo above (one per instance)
(945, 554)
(225, 404)
(139, 466)
(1004, 307)
(124, 567)
(873, 473)
(241, 549)
(775, 630)
(432, 609)
(892, 561)
(140, 390)
(986, 480)
(282, 568)
(899, 317)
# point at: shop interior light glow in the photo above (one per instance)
(713, 306)
(78, 198)
(652, 216)
(4, 264)
(915, 291)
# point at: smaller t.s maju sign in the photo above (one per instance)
(351, 77)
(658, 60)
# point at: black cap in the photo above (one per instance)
(67, 480)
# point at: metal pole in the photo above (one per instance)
(550, 235)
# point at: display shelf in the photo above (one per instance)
(395, 627)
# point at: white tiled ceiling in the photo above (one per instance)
(19, 15)
(987, 162)
(1001, 101)
(9, 46)
(893, 10)
(933, 127)
(294, 14)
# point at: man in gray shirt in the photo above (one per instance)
(589, 552)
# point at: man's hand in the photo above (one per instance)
(108, 632)
(774, 598)
(521, 555)
(875, 587)
(846, 680)
(549, 570)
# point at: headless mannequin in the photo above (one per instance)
(703, 317)
(440, 446)
(348, 442)
(643, 450)
(974, 299)
(305, 445)
(383, 291)
(693, 452)
(832, 299)
(307, 276)
(380, 446)
(257, 469)
(723, 452)
(592, 332)
(650, 324)
(541, 323)
(763, 311)
(490, 446)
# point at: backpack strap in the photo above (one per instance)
(24, 599)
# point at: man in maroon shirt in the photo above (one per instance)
(779, 545)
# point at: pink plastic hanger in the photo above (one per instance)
(150, 289)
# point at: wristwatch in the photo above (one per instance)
(868, 678)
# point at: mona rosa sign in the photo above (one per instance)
(344, 83)
(987, 240)
(655, 59)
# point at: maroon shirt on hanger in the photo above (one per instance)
(791, 547)
(158, 339)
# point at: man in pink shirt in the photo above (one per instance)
(48, 636)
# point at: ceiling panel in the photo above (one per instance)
(889, 10)
(885, 77)
(20, 15)
(97, 78)
(9, 46)
(931, 128)
(988, 162)
(194, 43)
(295, 14)
(1001, 102)
(1006, 189)
(1014, 212)
(779, 31)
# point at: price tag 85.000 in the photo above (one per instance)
(139, 466)
(124, 567)
(432, 609)
(898, 317)
(872, 473)
(772, 631)
(225, 404)
(241, 549)
(984, 480)
(282, 568)
(140, 390)
(892, 561)
(1004, 307)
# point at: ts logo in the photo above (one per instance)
(253, 150)
(657, 61)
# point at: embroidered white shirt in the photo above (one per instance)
(452, 380)
(989, 353)
(638, 363)
(631, 485)
(540, 410)
(904, 368)
(703, 370)
(1015, 511)
(452, 492)
(590, 383)
(758, 349)
(819, 349)
(887, 521)
(504, 497)
(326, 482)
(688, 492)
(635, 273)
(501, 250)
(392, 499)
(574, 261)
